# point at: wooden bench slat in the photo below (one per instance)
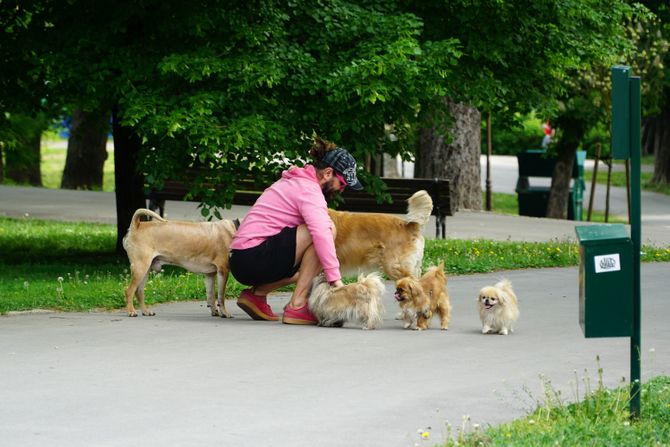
(248, 191)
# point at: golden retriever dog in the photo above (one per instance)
(498, 308)
(199, 247)
(368, 242)
(359, 302)
(419, 299)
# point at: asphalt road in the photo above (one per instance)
(186, 378)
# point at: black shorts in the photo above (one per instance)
(268, 262)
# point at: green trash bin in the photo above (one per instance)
(605, 280)
(533, 199)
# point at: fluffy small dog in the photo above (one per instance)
(369, 242)
(419, 299)
(498, 308)
(359, 302)
(199, 247)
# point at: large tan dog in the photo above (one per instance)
(368, 242)
(200, 247)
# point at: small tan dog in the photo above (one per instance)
(368, 242)
(498, 308)
(199, 247)
(359, 302)
(419, 299)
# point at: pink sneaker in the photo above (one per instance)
(256, 306)
(301, 315)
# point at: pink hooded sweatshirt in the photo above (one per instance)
(293, 200)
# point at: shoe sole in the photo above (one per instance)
(290, 320)
(253, 311)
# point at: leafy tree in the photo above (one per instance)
(586, 102)
(516, 57)
(236, 86)
(21, 120)
(656, 129)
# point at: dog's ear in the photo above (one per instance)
(412, 287)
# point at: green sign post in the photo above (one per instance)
(609, 260)
(626, 121)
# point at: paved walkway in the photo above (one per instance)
(185, 378)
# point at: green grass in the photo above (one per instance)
(73, 267)
(618, 179)
(509, 204)
(599, 418)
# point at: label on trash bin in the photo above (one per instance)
(607, 263)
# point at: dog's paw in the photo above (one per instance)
(486, 329)
(132, 314)
(148, 313)
(503, 331)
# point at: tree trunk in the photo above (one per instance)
(572, 133)
(457, 159)
(86, 150)
(657, 140)
(23, 160)
(559, 194)
(129, 181)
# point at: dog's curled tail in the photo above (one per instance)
(135, 221)
(505, 284)
(419, 207)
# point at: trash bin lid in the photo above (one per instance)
(598, 234)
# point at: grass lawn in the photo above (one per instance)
(618, 177)
(599, 418)
(73, 266)
(509, 204)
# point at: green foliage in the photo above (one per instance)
(245, 102)
(509, 137)
(241, 87)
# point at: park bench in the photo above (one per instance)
(400, 189)
(533, 199)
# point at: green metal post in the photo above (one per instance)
(635, 224)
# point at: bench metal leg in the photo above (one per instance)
(440, 224)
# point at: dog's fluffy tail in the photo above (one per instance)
(375, 307)
(419, 207)
(506, 286)
(135, 221)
